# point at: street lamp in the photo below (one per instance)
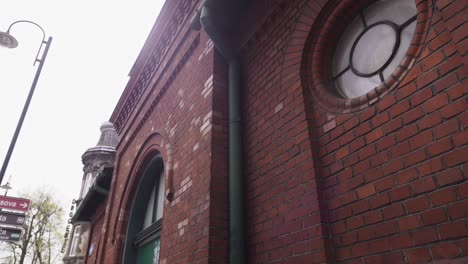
(8, 41)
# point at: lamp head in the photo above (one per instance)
(6, 186)
(7, 40)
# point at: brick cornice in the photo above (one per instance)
(154, 62)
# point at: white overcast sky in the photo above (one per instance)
(95, 44)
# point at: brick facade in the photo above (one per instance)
(376, 179)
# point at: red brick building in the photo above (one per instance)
(290, 131)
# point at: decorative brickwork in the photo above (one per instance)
(161, 92)
(170, 32)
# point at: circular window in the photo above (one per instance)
(372, 46)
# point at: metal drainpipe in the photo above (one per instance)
(236, 177)
(237, 244)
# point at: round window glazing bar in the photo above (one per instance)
(398, 30)
(390, 58)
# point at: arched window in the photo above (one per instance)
(143, 238)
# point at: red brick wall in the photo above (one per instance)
(183, 117)
(95, 233)
(380, 178)
(177, 118)
(283, 215)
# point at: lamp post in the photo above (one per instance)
(8, 41)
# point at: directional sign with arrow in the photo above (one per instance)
(13, 203)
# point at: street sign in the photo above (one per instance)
(10, 234)
(14, 219)
(13, 203)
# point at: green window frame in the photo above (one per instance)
(143, 240)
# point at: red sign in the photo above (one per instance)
(13, 203)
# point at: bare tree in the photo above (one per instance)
(41, 240)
